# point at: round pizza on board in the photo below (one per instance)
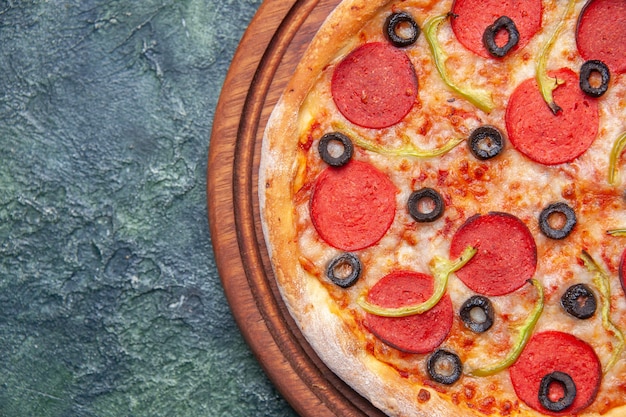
(441, 200)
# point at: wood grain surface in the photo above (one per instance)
(263, 63)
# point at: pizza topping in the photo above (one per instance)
(344, 270)
(441, 269)
(525, 331)
(407, 149)
(506, 253)
(401, 29)
(477, 313)
(444, 367)
(471, 17)
(335, 149)
(418, 333)
(479, 98)
(554, 351)
(549, 138)
(588, 69)
(547, 84)
(601, 31)
(603, 282)
(579, 301)
(546, 387)
(352, 206)
(557, 220)
(375, 86)
(486, 142)
(503, 23)
(425, 205)
(616, 151)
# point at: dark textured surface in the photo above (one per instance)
(110, 302)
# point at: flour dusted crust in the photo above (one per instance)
(332, 328)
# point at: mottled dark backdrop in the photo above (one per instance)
(110, 302)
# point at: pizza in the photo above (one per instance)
(441, 200)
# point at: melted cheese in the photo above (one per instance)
(510, 183)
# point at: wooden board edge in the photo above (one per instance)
(294, 369)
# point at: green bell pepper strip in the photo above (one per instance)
(616, 151)
(478, 97)
(407, 149)
(441, 269)
(547, 84)
(525, 332)
(602, 281)
(616, 232)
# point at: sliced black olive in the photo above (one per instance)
(489, 36)
(415, 205)
(477, 313)
(444, 367)
(328, 157)
(589, 68)
(486, 142)
(569, 389)
(398, 37)
(344, 270)
(561, 232)
(579, 301)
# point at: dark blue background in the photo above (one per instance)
(110, 302)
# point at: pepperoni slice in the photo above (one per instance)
(472, 17)
(601, 31)
(506, 256)
(352, 206)
(419, 333)
(552, 351)
(375, 86)
(543, 136)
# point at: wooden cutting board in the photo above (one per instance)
(265, 59)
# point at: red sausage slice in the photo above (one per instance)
(506, 257)
(543, 136)
(375, 86)
(353, 206)
(556, 351)
(601, 33)
(472, 17)
(420, 333)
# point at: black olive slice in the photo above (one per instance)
(489, 36)
(328, 156)
(344, 270)
(561, 232)
(486, 142)
(416, 208)
(477, 313)
(444, 367)
(569, 389)
(579, 301)
(589, 68)
(395, 35)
